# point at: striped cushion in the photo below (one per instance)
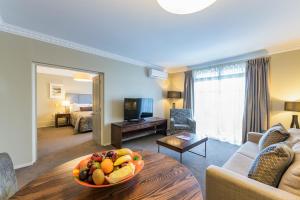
(271, 163)
(274, 135)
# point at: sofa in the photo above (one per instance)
(231, 181)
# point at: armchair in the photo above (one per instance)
(181, 119)
(8, 181)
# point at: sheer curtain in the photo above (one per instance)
(219, 101)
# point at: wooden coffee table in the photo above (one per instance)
(180, 145)
(170, 180)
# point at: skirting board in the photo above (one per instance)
(23, 165)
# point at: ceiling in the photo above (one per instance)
(143, 32)
(58, 71)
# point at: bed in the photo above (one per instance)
(81, 112)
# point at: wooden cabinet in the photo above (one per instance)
(67, 117)
(123, 131)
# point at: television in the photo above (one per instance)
(136, 109)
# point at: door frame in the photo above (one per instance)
(34, 101)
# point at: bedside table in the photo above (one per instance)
(67, 117)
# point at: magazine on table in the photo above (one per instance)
(184, 137)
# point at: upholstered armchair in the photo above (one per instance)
(181, 119)
(8, 181)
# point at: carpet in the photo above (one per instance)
(59, 145)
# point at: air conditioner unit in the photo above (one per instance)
(154, 73)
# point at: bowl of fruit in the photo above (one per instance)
(108, 168)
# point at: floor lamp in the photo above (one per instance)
(173, 95)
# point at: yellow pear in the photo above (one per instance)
(98, 177)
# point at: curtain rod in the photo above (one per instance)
(232, 60)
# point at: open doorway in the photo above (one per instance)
(68, 108)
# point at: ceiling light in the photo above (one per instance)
(80, 76)
(184, 6)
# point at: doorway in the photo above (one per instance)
(67, 108)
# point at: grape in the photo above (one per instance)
(114, 157)
(83, 175)
(89, 164)
(90, 180)
(96, 154)
(110, 154)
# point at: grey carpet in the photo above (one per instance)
(51, 140)
(57, 146)
(217, 154)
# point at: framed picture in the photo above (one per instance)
(57, 91)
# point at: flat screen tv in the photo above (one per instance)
(136, 109)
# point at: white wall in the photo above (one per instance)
(16, 57)
(47, 107)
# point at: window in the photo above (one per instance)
(219, 101)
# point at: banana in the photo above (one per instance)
(123, 152)
(122, 159)
(121, 174)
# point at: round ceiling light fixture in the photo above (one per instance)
(183, 7)
(81, 76)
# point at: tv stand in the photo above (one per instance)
(124, 131)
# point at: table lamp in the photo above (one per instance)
(295, 107)
(66, 104)
(174, 95)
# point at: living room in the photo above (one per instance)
(184, 115)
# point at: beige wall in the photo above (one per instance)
(16, 57)
(46, 107)
(176, 84)
(284, 84)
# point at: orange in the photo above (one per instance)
(83, 164)
(76, 172)
(107, 166)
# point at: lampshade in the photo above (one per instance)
(292, 106)
(174, 95)
(80, 76)
(184, 6)
(66, 103)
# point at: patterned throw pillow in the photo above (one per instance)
(271, 163)
(275, 134)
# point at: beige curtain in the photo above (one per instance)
(188, 93)
(257, 99)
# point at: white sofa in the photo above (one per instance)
(231, 181)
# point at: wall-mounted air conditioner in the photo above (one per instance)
(154, 73)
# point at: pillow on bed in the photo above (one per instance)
(74, 107)
(90, 108)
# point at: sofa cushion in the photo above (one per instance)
(271, 163)
(290, 180)
(249, 149)
(239, 163)
(275, 134)
(294, 136)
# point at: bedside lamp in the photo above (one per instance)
(174, 95)
(295, 107)
(66, 104)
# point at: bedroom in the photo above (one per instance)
(64, 106)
